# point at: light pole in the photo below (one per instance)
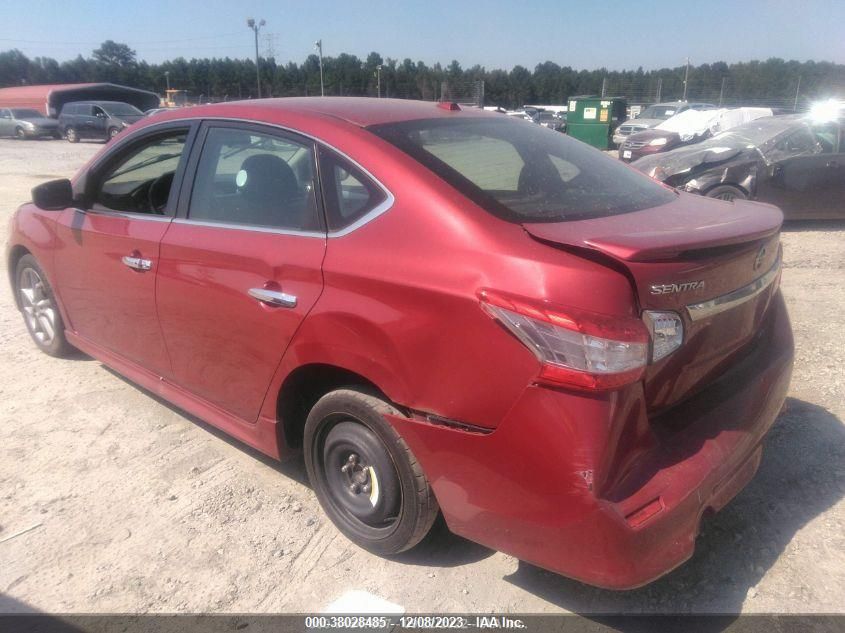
(319, 46)
(167, 79)
(686, 79)
(255, 28)
(378, 80)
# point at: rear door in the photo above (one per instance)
(107, 256)
(241, 265)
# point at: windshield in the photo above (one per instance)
(122, 109)
(524, 173)
(27, 114)
(659, 112)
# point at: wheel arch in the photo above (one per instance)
(303, 387)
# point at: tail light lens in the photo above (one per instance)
(575, 348)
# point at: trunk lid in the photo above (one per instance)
(677, 256)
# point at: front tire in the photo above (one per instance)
(364, 475)
(113, 131)
(728, 193)
(40, 310)
(71, 135)
(20, 134)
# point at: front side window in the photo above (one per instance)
(797, 142)
(524, 173)
(140, 182)
(254, 179)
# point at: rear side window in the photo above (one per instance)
(348, 193)
(524, 173)
(262, 180)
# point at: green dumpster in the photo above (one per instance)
(592, 119)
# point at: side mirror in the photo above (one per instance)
(53, 195)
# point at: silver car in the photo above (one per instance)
(655, 115)
(27, 123)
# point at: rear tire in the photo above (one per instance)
(40, 309)
(364, 475)
(727, 193)
(71, 135)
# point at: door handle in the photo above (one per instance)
(273, 297)
(833, 164)
(137, 263)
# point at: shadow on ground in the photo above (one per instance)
(292, 467)
(797, 481)
(826, 226)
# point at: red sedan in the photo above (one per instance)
(446, 310)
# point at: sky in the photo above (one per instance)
(495, 34)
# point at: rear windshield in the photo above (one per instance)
(522, 172)
(659, 112)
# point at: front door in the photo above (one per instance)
(241, 266)
(107, 256)
(811, 183)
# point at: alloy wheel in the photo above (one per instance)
(38, 308)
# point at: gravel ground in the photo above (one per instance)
(134, 506)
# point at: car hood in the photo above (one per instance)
(653, 133)
(687, 158)
(42, 121)
(643, 122)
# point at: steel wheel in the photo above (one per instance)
(361, 480)
(38, 308)
(366, 478)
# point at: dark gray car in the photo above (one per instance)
(27, 123)
(96, 119)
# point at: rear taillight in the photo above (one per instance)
(575, 348)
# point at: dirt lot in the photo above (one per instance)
(135, 506)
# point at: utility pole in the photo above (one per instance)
(255, 28)
(603, 86)
(319, 46)
(659, 88)
(722, 91)
(167, 79)
(378, 80)
(686, 80)
(797, 91)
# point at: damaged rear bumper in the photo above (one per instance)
(590, 487)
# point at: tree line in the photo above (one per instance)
(773, 81)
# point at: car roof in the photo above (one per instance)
(358, 111)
